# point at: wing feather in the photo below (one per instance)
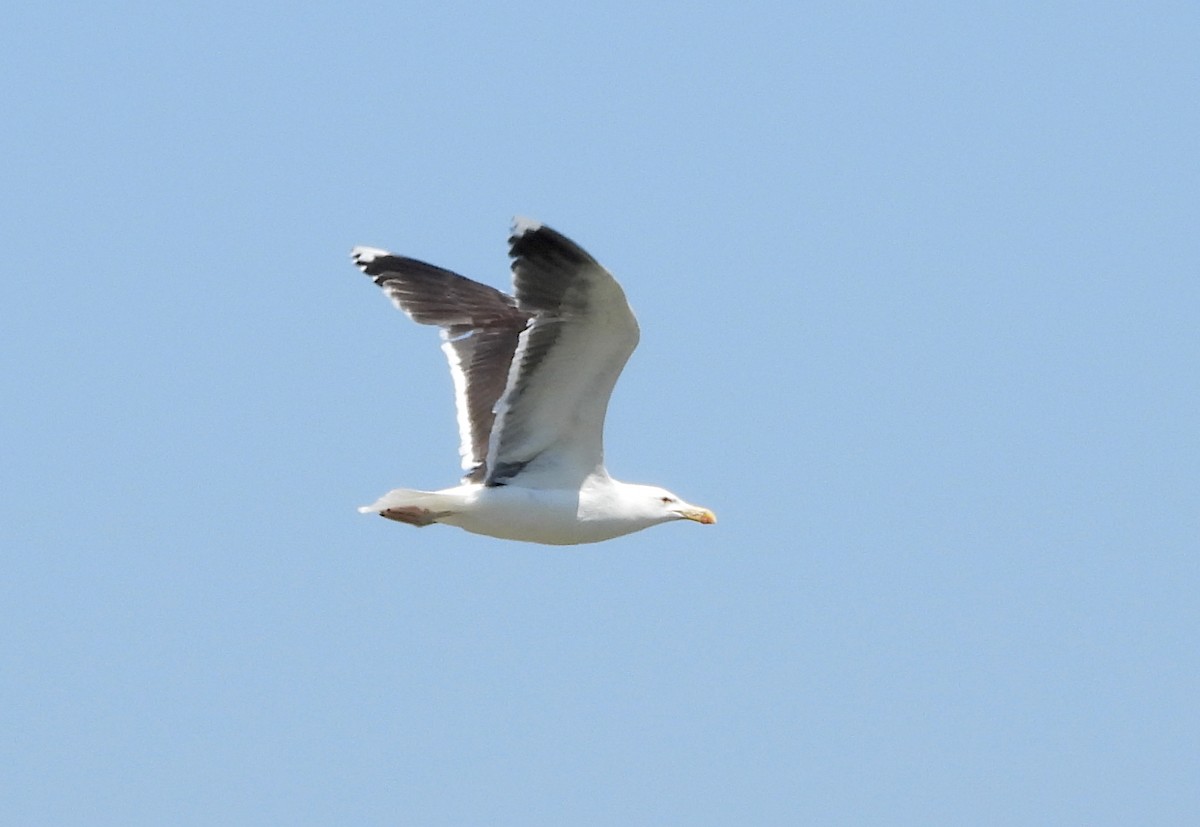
(480, 326)
(550, 421)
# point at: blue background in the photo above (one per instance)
(918, 289)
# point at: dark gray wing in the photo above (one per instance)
(480, 331)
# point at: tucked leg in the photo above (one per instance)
(411, 515)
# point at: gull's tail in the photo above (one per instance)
(407, 505)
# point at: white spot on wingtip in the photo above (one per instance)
(522, 224)
(365, 255)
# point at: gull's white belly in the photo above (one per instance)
(552, 516)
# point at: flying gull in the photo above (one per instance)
(532, 373)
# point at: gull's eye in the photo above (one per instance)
(667, 500)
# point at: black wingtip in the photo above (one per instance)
(538, 243)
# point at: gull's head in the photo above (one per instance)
(667, 506)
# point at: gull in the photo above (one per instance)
(533, 373)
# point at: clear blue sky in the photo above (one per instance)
(919, 292)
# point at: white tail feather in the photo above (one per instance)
(407, 497)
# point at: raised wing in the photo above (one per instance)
(480, 331)
(550, 421)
